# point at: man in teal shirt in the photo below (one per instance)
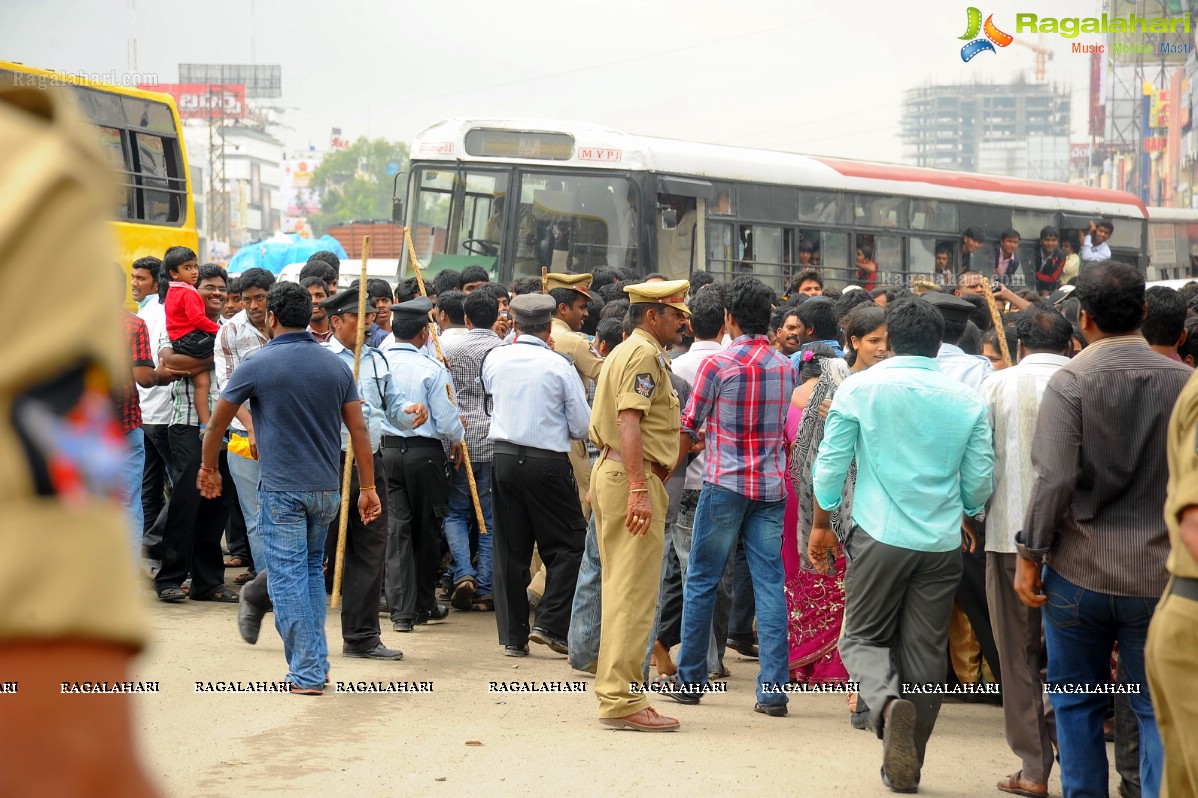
(924, 456)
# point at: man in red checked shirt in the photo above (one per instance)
(128, 409)
(742, 394)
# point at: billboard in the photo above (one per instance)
(261, 81)
(299, 198)
(205, 100)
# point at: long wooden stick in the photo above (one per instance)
(343, 516)
(544, 280)
(478, 508)
(994, 314)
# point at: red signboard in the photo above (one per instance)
(205, 100)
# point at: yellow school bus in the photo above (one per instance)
(141, 133)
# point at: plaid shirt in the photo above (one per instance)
(124, 396)
(183, 406)
(238, 339)
(464, 354)
(742, 394)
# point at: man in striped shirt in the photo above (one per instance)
(1094, 542)
(742, 394)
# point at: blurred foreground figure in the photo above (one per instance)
(68, 606)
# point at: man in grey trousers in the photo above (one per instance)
(923, 449)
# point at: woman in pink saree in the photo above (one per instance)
(815, 601)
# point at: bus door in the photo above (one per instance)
(459, 218)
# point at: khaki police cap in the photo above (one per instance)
(533, 309)
(668, 292)
(575, 282)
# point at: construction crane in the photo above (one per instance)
(1043, 55)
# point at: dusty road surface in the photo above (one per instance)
(460, 739)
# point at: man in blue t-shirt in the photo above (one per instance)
(299, 394)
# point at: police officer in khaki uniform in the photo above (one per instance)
(81, 618)
(572, 293)
(635, 425)
(1171, 654)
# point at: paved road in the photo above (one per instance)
(461, 739)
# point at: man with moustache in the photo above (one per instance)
(635, 425)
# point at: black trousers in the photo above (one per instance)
(971, 594)
(534, 499)
(194, 525)
(362, 575)
(417, 475)
(154, 483)
(235, 532)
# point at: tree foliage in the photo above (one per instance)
(353, 184)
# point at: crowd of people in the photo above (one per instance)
(902, 492)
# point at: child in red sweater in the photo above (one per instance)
(191, 332)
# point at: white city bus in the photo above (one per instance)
(518, 195)
(1172, 243)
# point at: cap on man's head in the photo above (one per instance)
(413, 310)
(668, 292)
(532, 310)
(952, 308)
(575, 282)
(345, 302)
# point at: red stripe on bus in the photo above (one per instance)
(1010, 185)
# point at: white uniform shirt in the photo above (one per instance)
(967, 369)
(156, 405)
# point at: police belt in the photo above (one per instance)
(1184, 586)
(528, 452)
(660, 471)
(415, 442)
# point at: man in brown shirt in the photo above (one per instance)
(1171, 653)
(1094, 522)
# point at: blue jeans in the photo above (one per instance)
(135, 463)
(457, 526)
(586, 612)
(1080, 628)
(245, 475)
(293, 525)
(723, 516)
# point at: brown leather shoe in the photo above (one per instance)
(647, 720)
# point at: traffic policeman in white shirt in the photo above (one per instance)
(538, 408)
(969, 369)
(365, 544)
(417, 471)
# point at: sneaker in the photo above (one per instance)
(404, 624)
(773, 710)
(543, 637)
(438, 613)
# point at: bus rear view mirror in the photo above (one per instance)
(397, 211)
(669, 219)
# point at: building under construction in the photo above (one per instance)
(1016, 129)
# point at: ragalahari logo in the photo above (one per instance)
(993, 35)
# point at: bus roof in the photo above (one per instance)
(55, 78)
(599, 147)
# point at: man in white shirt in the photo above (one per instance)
(156, 409)
(969, 369)
(1094, 245)
(1013, 398)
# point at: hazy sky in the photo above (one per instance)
(815, 77)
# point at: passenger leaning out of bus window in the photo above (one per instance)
(1006, 258)
(867, 269)
(1049, 262)
(1073, 261)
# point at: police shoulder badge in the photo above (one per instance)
(645, 384)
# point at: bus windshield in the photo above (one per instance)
(524, 221)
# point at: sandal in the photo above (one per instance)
(722, 673)
(222, 594)
(1016, 784)
(235, 562)
(171, 594)
(242, 579)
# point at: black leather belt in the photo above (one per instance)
(528, 452)
(403, 444)
(1184, 586)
